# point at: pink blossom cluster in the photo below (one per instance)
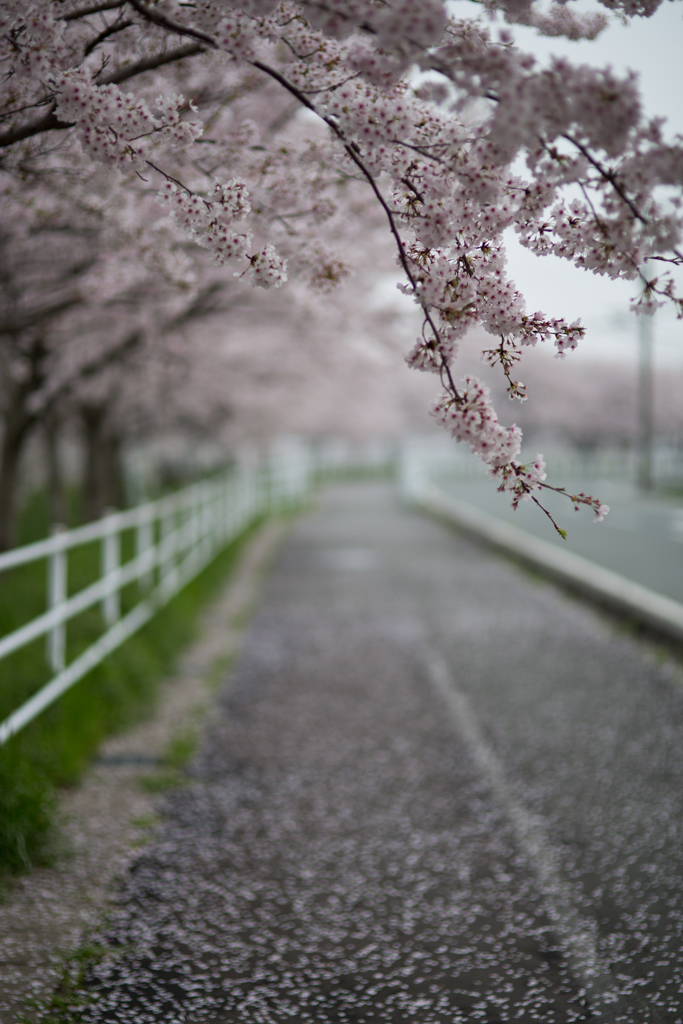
(471, 418)
(116, 127)
(266, 268)
(564, 336)
(520, 480)
(38, 38)
(557, 20)
(211, 223)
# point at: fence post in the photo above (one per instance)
(110, 561)
(192, 506)
(144, 547)
(248, 496)
(169, 540)
(230, 506)
(223, 510)
(193, 525)
(184, 526)
(272, 471)
(206, 522)
(262, 487)
(56, 596)
(215, 516)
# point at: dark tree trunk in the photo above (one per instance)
(18, 422)
(115, 484)
(103, 483)
(17, 425)
(9, 471)
(56, 491)
(94, 503)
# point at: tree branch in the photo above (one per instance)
(152, 63)
(91, 369)
(47, 123)
(207, 303)
(354, 155)
(22, 323)
(171, 26)
(83, 12)
(111, 30)
(50, 122)
(608, 176)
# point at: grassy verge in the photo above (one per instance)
(69, 1000)
(54, 749)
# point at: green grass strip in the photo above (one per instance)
(52, 751)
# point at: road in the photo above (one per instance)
(433, 789)
(641, 537)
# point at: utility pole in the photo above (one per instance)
(645, 404)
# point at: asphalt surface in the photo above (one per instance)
(434, 789)
(641, 537)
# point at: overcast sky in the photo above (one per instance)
(653, 47)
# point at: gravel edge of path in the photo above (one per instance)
(113, 812)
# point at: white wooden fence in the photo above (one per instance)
(175, 537)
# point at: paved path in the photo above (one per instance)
(641, 538)
(435, 790)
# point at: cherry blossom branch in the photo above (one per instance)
(47, 123)
(152, 64)
(91, 369)
(580, 499)
(50, 122)
(507, 357)
(558, 529)
(117, 26)
(169, 177)
(352, 151)
(524, 483)
(150, 14)
(526, 480)
(332, 88)
(607, 176)
(38, 315)
(84, 12)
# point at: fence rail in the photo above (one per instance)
(175, 538)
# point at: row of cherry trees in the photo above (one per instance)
(113, 318)
(215, 361)
(157, 157)
(105, 332)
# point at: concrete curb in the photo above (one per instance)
(609, 588)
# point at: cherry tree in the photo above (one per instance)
(98, 322)
(254, 365)
(70, 354)
(160, 94)
(69, 308)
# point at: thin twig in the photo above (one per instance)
(153, 15)
(562, 533)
